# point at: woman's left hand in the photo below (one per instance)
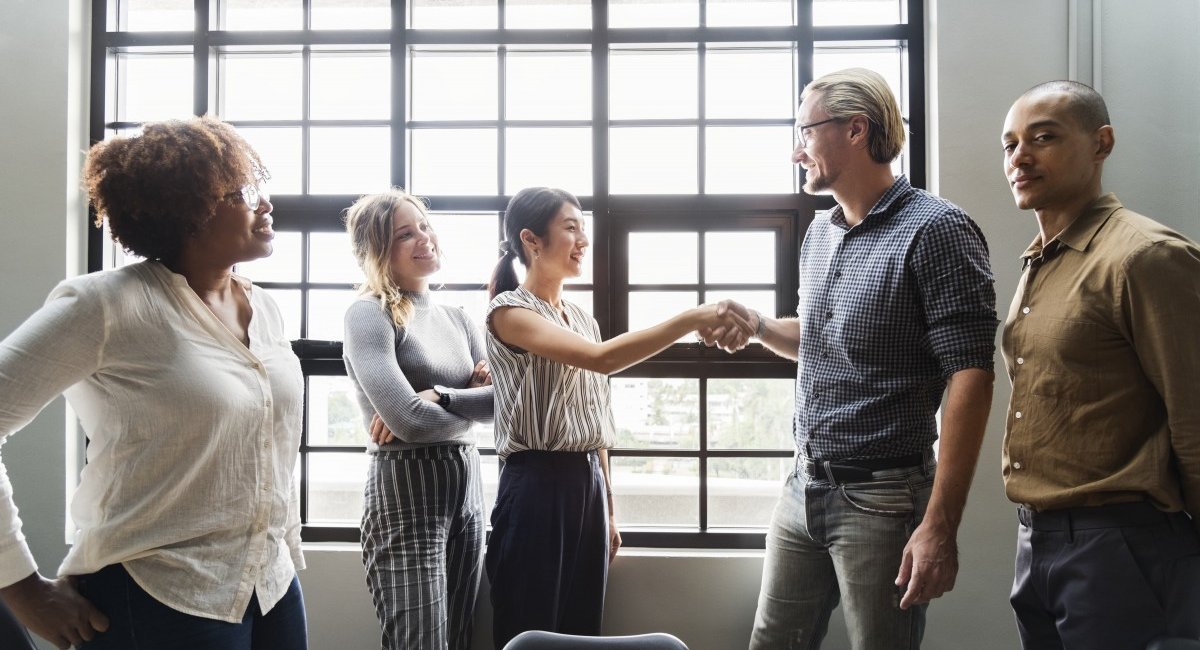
(380, 434)
(481, 375)
(614, 539)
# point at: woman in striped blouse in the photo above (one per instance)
(553, 530)
(420, 367)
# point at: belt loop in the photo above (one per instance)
(926, 459)
(1070, 526)
(829, 472)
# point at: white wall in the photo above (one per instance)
(988, 52)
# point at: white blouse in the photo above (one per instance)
(541, 403)
(192, 438)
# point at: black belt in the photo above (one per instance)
(844, 471)
(1137, 513)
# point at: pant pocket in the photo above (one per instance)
(880, 498)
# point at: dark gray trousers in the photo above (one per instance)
(422, 535)
(1114, 577)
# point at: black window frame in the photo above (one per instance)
(614, 216)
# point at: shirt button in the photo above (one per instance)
(1016, 465)
(1020, 360)
(255, 365)
(1018, 415)
(1024, 310)
(267, 402)
(829, 314)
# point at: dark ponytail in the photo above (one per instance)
(532, 208)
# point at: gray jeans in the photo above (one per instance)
(831, 542)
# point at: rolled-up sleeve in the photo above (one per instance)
(957, 293)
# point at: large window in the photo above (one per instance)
(670, 119)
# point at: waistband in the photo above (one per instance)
(1137, 513)
(542, 457)
(432, 452)
(849, 471)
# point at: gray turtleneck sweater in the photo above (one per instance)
(389, 365)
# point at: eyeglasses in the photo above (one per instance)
(801, 128)
(251, 194)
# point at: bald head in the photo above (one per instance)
(1081, 102)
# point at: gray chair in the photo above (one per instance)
(13, 635)
(1174, 644)
(538, 640)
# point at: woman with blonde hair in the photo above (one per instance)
(422, 381)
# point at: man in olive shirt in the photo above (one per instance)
(1102, 446)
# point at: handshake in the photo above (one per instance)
(728, 325)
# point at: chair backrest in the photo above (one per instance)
(13, 635)
(538, 640)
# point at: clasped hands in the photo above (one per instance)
(732, 325)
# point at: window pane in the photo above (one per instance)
(664, 258)
(350, 160)
(742, 492)
(460, 161)
(748, 13)
(471, 96)
(652, 160)
(282, 265)
(261, 15)
(279, 148)
(656, 491)
(749, 160)
(581, 299)
(454, 14)
(549, 157)
(156, 15)
(330, 258)
(548, 14)
(749, 83)
(351, 14)
(327, 313)
(653, 13)
(473, 302)
(547, 85)
(656, 413)
(261, 86)
(761, 301)
(153, 86)
(335, 487)
(470, 246)
(739, 257)
(288, 301)
(882, 58)
(648, 308)
(333, 414)
(351, 86)
(748, 413)
(652, 84)
(856, 12)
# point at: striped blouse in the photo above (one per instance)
(544, 404)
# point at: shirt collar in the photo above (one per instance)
(1079, 233)
(882, 208)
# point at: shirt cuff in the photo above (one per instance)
(16, 563)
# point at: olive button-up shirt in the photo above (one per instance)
(1102, 348)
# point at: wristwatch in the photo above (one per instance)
(443, 397)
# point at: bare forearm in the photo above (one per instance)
(620, 352)
(780, 335)
(964, 419)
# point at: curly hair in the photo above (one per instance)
(159, 188)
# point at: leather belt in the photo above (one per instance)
(847, 471)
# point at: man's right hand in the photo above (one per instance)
(54, 610)
(730, 339)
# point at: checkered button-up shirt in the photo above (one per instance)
(889, 310)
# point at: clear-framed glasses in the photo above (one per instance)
(802, 129)
(252, 194)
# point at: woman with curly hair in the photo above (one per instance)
(188, 532)
(420, 366)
